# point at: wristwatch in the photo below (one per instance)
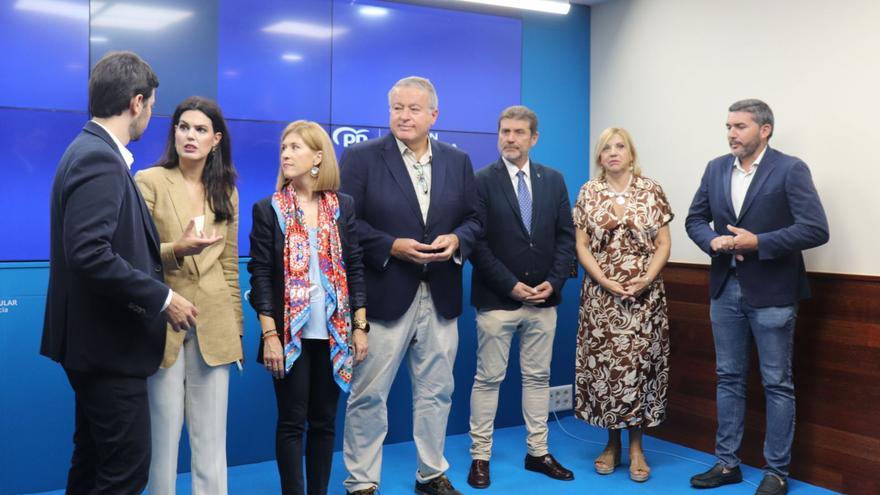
(362, 325)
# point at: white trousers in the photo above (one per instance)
(429, 343)
(495, 330)
(193, 390)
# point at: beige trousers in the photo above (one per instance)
(495, 330)
(428, 342)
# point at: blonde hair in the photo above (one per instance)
(316, 138)
(603, 140)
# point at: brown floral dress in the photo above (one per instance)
(622, 362)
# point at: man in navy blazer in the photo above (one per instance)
(414, 198)
(764, 211)
(106, 304)
(520, 265)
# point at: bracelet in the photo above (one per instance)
(268, 333)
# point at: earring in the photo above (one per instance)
(314, 171)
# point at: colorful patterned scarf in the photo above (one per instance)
(297, 300)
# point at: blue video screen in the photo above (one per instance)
(32, 142)
(474, 61)
(481, 147)
(267, 63)
(256, 154)
(45, 47)
(178, 38)
(274, 60)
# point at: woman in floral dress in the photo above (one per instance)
(623, 242)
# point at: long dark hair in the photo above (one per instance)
(219, 175)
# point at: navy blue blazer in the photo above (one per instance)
(267, 261)
(781, 207)
(506, 254)
(374, 174)
(106, 290)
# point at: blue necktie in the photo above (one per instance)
(525, 201)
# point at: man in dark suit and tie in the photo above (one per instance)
(764, 211)
(520, 265)
(414, 198)
(106, 305)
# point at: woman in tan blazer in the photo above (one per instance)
(192, 196)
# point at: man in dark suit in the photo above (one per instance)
(106, 305)
(764, 211)
(414, 198)
(520, 265)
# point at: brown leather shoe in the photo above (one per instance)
(478, 477)
(546, 464)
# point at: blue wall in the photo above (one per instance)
(36, 403)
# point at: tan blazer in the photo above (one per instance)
(209, 280)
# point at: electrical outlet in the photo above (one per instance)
(561, 398)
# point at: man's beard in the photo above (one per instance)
(134, 133)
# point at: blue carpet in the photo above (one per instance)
(672, 466)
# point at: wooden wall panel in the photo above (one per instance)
(836, 373)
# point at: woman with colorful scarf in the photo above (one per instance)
(307, 286)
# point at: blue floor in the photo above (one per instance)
(672, 465)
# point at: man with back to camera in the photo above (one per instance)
(765, 210)
(414, 199)
(106, 305)
(520, 265)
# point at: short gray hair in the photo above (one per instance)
(520, 112)
(760, 111)
(417, 82)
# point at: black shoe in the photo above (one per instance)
(546, 464)
(478, 477)
(772, 485)
(437, 486)
(366, 491)
(716, 477)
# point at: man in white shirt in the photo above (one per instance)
(520, 264)
(764, 211)
(107, 305)
(414, 199)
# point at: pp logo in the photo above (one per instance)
(347, 136)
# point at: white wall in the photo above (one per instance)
(667, 71)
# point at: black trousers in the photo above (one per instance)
(307, 399)
(111, 453)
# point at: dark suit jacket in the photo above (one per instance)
(506, 253)
(105, 296)
(781, 207)
(267, 255)
(374, 174)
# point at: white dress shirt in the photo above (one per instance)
(512, 170)
(126, 155)
(419, 170)
(740, 180)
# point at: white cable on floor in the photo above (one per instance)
(695, 461)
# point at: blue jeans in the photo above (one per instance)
(734, 323)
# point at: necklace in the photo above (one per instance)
(619, 197)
